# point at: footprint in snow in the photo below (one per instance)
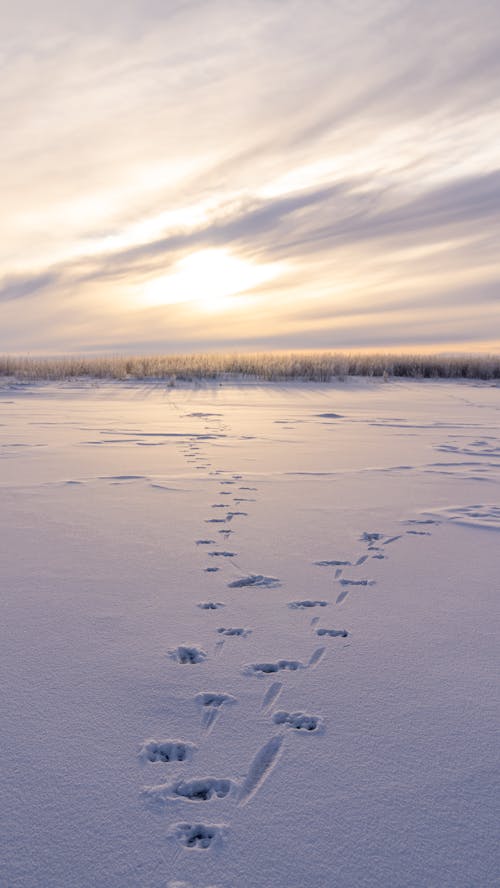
(198, 836)
(198, 789)
(187, 654)
(210, 605)
(260, 768)
(306, 603)
(166, 751)
(316, 658)
(212, 705)
(271, 695)
(234, 633)
(297, 721)
(332, 633)
(222, 554)
(346, 582)
(261, 669)
(254, 580)
(422, 521)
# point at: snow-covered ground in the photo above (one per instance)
(249, 635)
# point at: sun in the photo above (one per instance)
(208, 278)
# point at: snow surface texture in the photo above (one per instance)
(318, 712)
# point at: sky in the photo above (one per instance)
(186, 175)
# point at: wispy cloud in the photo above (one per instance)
(357, 146)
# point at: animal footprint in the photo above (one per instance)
(334, 563)
(222, 554)
(357, 582)
(371, 537)
(269, 668)
(198, 836)
(211, 570)
(205, 542)
(316, 657)
(300, 605)
(423, 521)
(254, 580)
(271, 695)
(167, 751)
(298, 721)
(263, 763)
(199, 789)
(333, 633)
(242, 633)
(187, 654)
(212, 705)
(210, 605)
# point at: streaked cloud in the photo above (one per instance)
(351, 148)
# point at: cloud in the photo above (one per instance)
(320, 220)
(18, 288)
(358, 145)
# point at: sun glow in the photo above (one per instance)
(208, 278)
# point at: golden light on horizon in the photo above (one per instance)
(208, 278)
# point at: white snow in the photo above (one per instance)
(333, 728)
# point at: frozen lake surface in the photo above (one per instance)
(250, 635)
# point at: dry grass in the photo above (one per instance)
(271, 366)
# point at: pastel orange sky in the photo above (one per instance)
(218, 174)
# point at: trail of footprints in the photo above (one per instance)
(198, 791)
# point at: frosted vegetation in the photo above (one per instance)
(306, 366)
